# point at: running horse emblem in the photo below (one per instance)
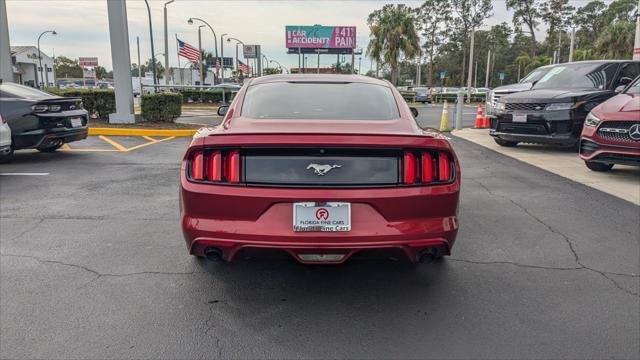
(322, 170)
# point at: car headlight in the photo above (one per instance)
(500, 107)
(591, 120)
(40, 108)
(560, 106)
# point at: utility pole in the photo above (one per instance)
(636, 43)
(475, 76)
(318, 50)
(559, 44)
(202, 74)
(470, 66)
(222, 60)
(139, 66)
(418, 69)
(486, 77)
(166, 45)
(573, 39)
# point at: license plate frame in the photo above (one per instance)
(321, 216)
(519, 118)
(76, 122)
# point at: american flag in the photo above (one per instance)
(188, 51)
(243, 67)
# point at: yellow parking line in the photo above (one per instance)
(113, 143)
(89, 150)
(149, 138)
(66, 147)
(141, 132)
(149, 143)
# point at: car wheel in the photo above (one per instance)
(596, 166)
(505, 143)
(5, 158)
(50, 149)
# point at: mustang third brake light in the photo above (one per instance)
(216, 166)
(433, 167)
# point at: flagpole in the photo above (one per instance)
(178, 56)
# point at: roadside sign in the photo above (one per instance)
(501, 75)
(251, 51)
(443, 74)
(317, 36)
(88, 61)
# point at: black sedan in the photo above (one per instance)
(553, 111)
(39, 120)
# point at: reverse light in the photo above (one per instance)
(560, 106)
(591, 120)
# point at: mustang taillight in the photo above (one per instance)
(215, 166)
(432, 167)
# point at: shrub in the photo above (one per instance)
(205, 96)
(98, 102)
(161, 107)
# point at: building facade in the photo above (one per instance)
(26, 68)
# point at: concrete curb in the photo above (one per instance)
(141, 132)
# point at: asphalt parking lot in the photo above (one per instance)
(93, 265)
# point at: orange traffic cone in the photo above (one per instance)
(479, 120)
(485, 122)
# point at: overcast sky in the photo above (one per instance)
(83, 28)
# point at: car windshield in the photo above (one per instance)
(634, 88)
(8, 90)
(575, 76)
(330, 101)
(535, 75)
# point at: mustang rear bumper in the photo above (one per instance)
(231, 219)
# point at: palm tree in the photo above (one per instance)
(616, 41)
(393, 34)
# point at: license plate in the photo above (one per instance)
(76, 122)
(520, 118)
(330, 216)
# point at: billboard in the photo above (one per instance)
(316, 37)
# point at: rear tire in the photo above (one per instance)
(50, 149)
(596, 166)
(505, 143)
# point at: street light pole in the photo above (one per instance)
(153, 57)
(470, 74)
(222, 57)
(202, 74)
(238, 42)
(215, 37)
(279, 66)
(166, 44)
(264, 57)
(53, 32)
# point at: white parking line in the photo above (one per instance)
(24, 174)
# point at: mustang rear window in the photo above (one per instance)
(315, 100)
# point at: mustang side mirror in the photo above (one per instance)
(222, 110)
(414, 111)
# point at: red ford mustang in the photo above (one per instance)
(322, 167)
(611, 133)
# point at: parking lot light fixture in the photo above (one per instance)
(153, 57)
(215, 37)
(237, 43)
(53, 32)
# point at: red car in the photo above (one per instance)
(611, 133)
(322, 167)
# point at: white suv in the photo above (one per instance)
(5, 140)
